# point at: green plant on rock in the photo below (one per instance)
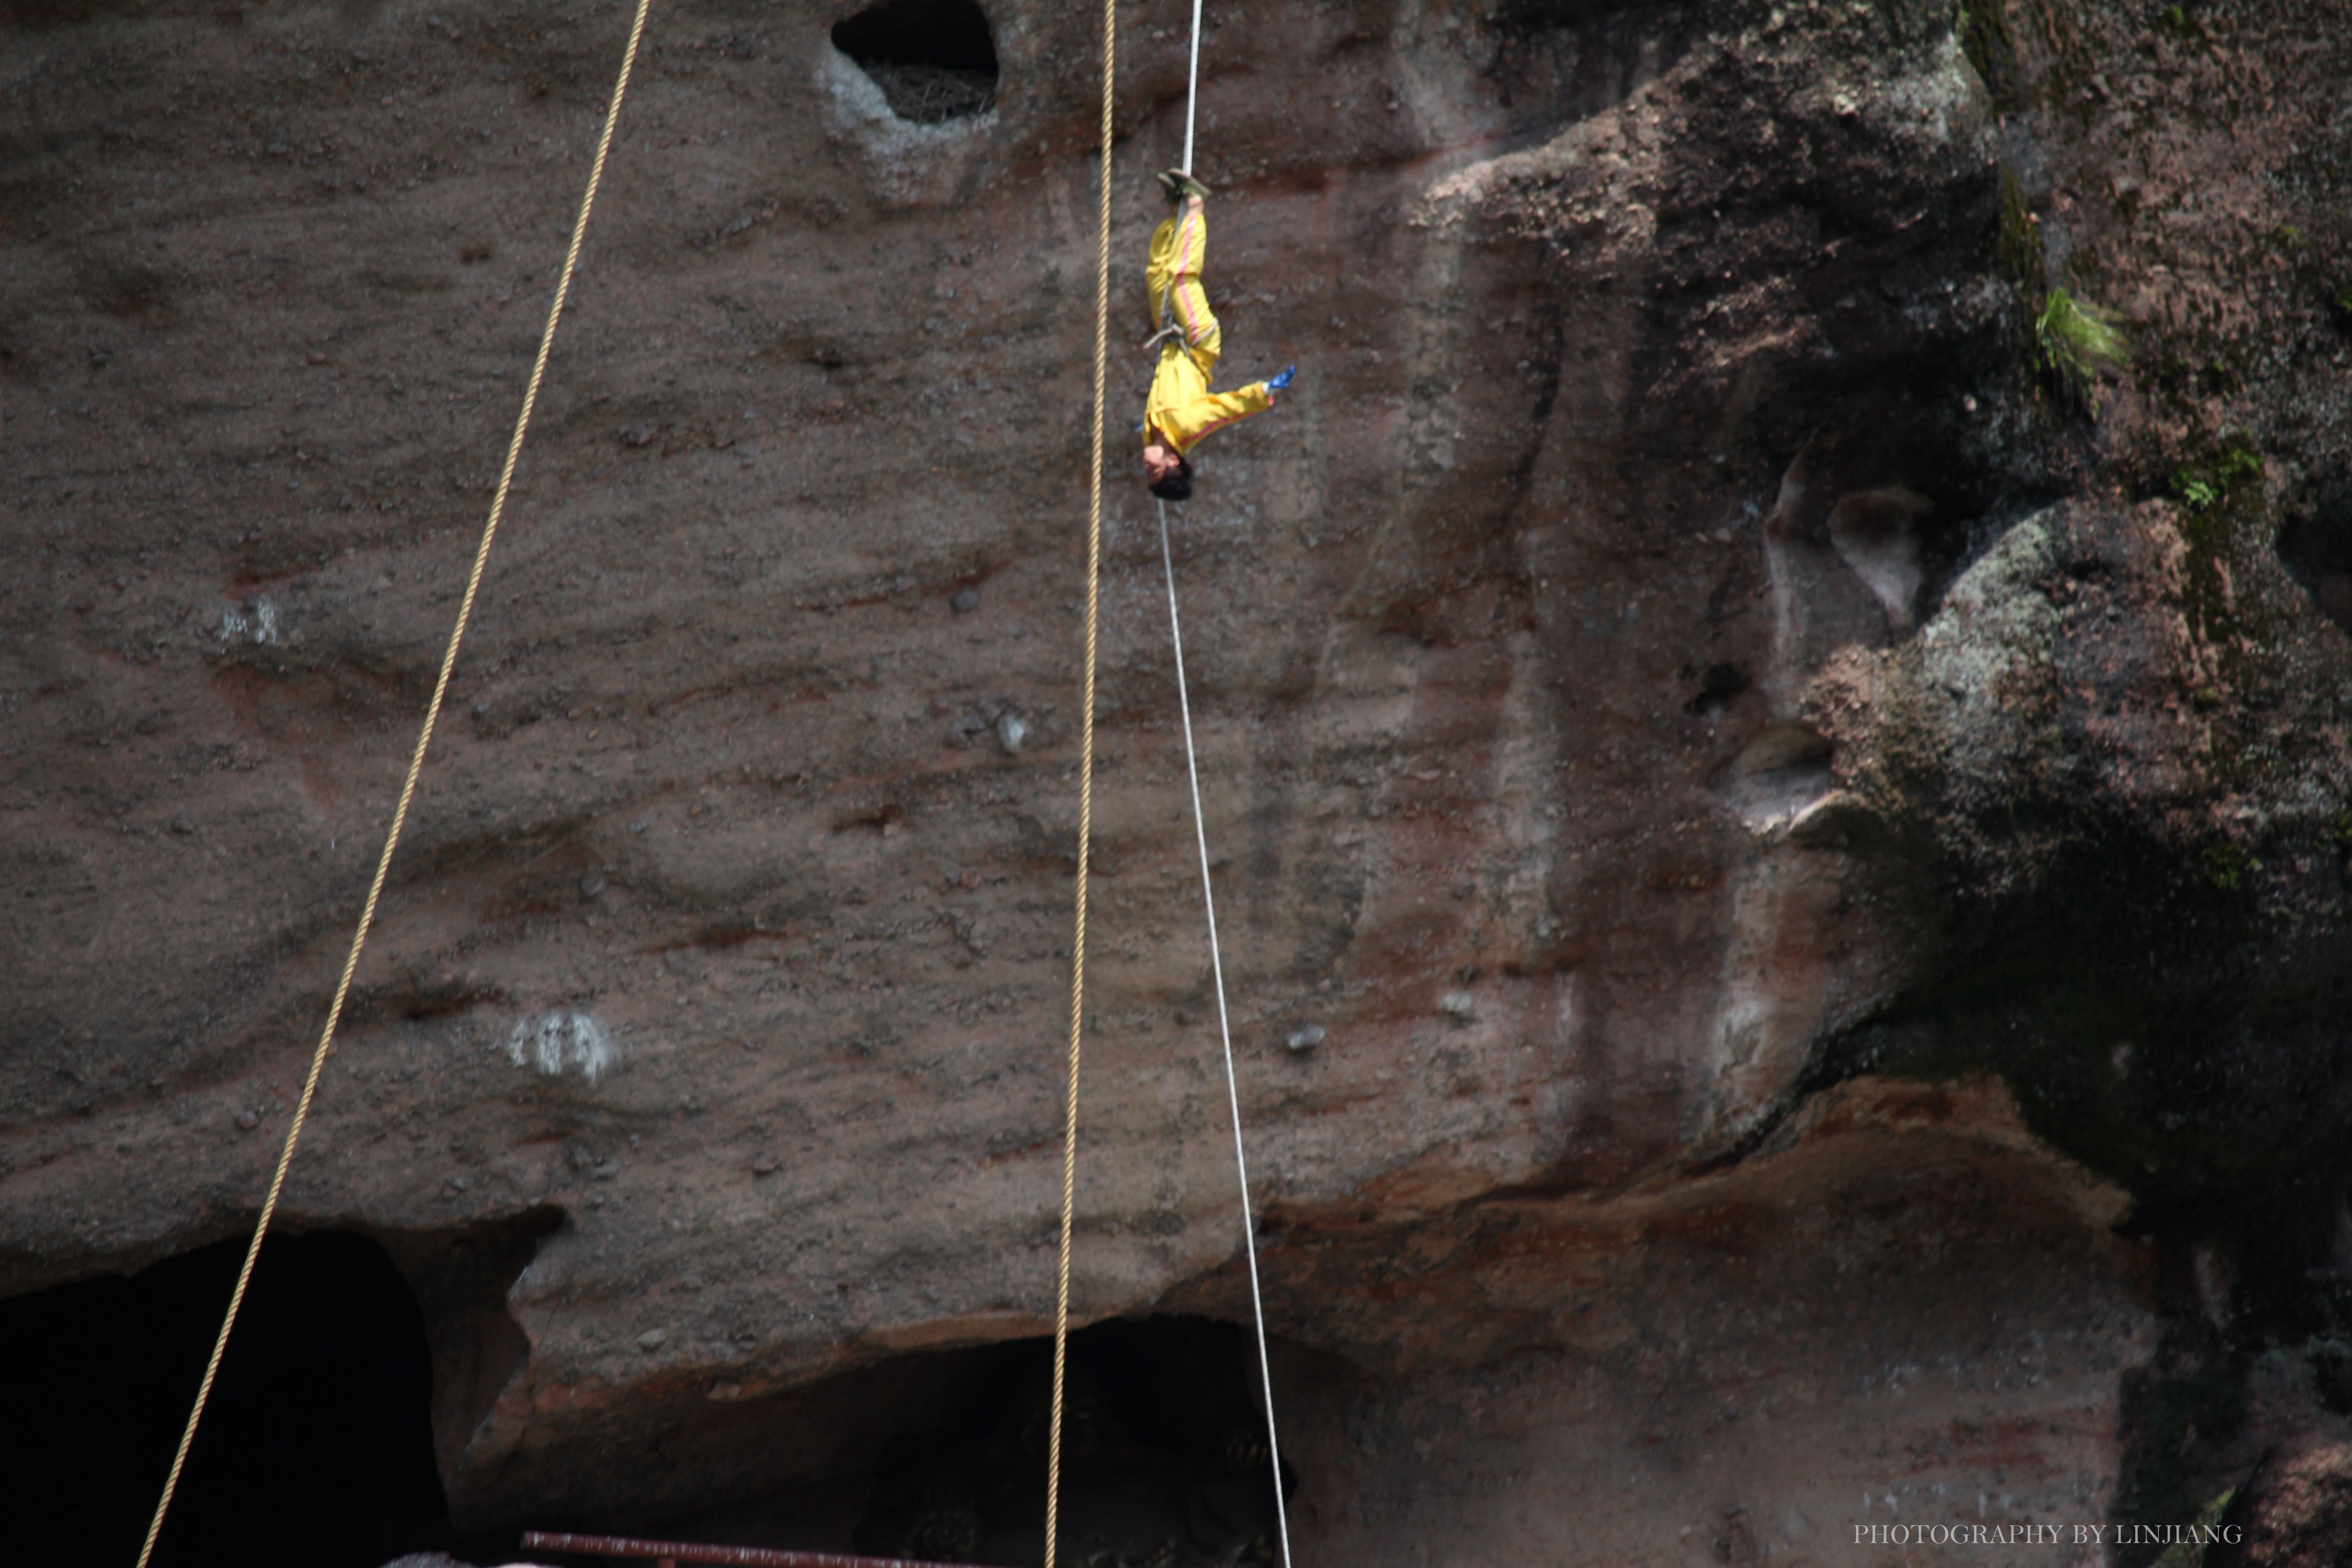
(2195, 493)
(2227, 866)
(2074, 341)
(2236, 463)
(2200, 486)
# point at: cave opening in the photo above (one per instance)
(935, 60)
(941, 1456)
(315, 1451)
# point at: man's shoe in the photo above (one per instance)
(1176, 185)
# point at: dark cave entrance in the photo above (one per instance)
(941, 1454)
(935, 60)
(1164, 1456)
(315, 1452)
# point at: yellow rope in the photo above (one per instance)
(407, 791)
(1085, 797)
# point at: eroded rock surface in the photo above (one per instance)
(1760, 808)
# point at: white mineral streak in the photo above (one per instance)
(255, 621)
(557, 1043)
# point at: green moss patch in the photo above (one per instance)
(2075, 342)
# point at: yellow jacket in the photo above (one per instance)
(1181, 409)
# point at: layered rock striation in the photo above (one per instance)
(1778, 799)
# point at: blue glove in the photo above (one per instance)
(1281, 383)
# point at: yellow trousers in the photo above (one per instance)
(1181, 409)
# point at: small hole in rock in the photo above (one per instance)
(1781, 770)
(1783, 748)
(1717, 688)
(2317, 550)
(933, 60)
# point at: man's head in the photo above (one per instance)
(1166, 473)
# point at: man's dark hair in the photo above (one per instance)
(1177, 486)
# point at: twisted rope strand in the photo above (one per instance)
(1192, 86)
(408, 794)
(1225, 1036)
(1209, 903)
(1085, 797)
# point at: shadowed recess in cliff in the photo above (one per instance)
(2094, 994)
(315, 1453)
(941, 1454)
(1569, 14)
(68, 13)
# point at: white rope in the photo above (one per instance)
(1226, 1035)
(1192, 87)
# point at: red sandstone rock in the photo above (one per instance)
(1640, 627)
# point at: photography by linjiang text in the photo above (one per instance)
(2118, 1535)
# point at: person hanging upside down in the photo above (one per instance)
(1181, 409)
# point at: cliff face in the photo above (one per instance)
(1769, 782)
